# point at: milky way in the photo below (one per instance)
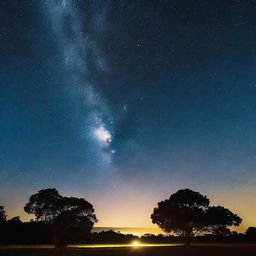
(77, 47)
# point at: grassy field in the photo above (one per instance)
(195, 250)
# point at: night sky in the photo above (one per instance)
(125, 102)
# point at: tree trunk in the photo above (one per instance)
(187, 241)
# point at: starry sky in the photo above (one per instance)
(125, 102)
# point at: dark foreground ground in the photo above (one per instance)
(217, 250)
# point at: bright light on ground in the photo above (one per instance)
(135, 244)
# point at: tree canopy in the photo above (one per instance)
(44, 205)
(70, 216)
(14, 220)
(2, 214)
(48, 204)
(251, 232)
(187, 213)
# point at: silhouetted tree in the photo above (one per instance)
(251, 233)
(74, 222)
(219, 218)
(44, 205)
(2, 215)
(221, 231)
(71, 217)
(187, 213)
(69, 227)
(14, 220)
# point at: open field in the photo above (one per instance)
(196, 250)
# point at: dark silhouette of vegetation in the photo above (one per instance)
(44, 205)
(2, 214)
(187, 213)
(32, 233)
(251, 233)
(14, 220)
(64, 220)
(218, 219)
(70, 217)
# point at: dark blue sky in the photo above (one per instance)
(124, 102)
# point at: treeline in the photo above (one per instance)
(186, 216)
(59, 220)
(31, 233)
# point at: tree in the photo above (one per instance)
(221, 231)
(75, 220)
(70, 216)
(44, 205)
(14, 220)
(219, 218)
(2, 215)
(187, 213)
(70, 227)
(251, 233)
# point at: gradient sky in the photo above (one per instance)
(125, 102)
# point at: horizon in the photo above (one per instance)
(153, 227)
(123, 103)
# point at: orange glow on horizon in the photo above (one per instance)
(127, 211)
